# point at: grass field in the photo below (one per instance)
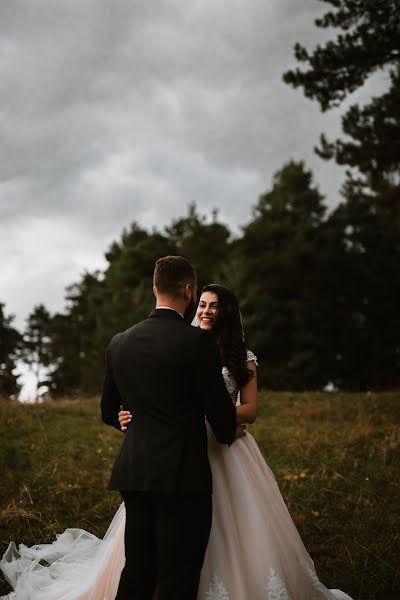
(336, 458)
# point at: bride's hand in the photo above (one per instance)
(124, 418)
(240, 431)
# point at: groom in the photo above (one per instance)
(168, 375)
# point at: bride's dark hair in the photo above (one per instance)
(229, 331)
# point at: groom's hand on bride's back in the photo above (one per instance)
(124, 418)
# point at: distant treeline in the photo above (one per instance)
(319, 291)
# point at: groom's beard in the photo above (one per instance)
(190, 309)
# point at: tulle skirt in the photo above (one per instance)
(76, 566)
(254, 553)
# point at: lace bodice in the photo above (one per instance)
(230, 382)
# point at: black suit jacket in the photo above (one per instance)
(168, 374)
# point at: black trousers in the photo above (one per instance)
(166, 538)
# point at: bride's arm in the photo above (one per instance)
(247, 411)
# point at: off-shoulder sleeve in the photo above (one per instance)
(251, 356)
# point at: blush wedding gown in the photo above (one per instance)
(254, 553)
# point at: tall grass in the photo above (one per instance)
(336, 458)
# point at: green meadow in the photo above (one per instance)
(336, 458)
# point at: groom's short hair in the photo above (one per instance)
(171, 273)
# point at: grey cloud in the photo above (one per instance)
(112, 112)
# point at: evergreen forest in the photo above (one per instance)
(319, 289)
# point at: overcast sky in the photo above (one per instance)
(120, 111)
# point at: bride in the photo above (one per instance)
(254, 552)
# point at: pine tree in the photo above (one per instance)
(204, 242)
(367, 222)
(280, 280)
(366, 334)
(10, 340)
(369, 41)
(36, 344)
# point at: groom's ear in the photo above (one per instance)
(191, 291)
(155, 291)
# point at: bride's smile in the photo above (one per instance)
(207, 310)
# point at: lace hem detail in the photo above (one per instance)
(276, 589)
(216, 591)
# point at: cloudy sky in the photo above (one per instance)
(113, 112)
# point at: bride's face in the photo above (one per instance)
(207, 310)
